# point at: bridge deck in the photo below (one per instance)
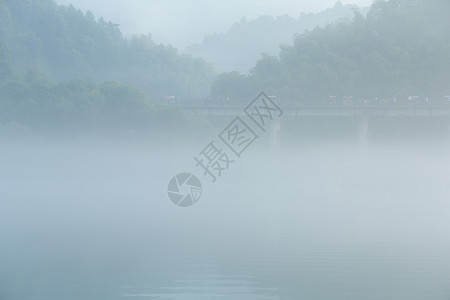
(331, 110)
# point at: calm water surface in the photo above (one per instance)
(320, 221)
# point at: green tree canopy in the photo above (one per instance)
(400, 48)
(67, 44)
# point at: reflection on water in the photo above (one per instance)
(314, 222)
(209, 286)
(332, 274)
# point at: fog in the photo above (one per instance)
(93, 221)
(131, 170)
(182, 23)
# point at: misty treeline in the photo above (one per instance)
(400, 49)
(241, 46)
(61, 68)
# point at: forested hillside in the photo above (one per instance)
(401, 48)
(62, 68)
(241, 47)
(65, 44)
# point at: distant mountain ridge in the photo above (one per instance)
(65, 44)
(240, 48)
(64, 70)
(401, 48)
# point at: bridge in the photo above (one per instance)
(363, 113)
(329, 110)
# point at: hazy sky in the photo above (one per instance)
(182, 22)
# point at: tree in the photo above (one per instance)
(400, 46)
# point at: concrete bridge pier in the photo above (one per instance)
(363, 130)
(448, 127)
(274, 133)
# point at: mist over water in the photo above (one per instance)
(318, 220)
(100, 127)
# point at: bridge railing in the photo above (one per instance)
(288, 103)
